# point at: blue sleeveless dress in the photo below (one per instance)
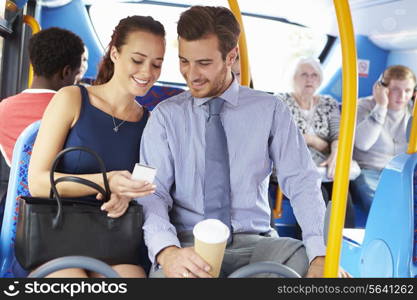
(94, 129)
(119, 150)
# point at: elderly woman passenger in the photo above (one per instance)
(317, 117)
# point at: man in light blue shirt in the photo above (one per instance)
(259, 131)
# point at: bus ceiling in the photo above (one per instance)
(384, 28)
(394, 28)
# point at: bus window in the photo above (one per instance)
(3, 24)
(284, 44)
(1, 48)
(270, 65)
(104, 23)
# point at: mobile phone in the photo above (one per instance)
(142, 172)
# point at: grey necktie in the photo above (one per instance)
(217, 173)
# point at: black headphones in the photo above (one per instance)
(382, 82)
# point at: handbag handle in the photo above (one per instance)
(82, 181)
(105, 192)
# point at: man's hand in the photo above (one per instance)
(183, 263)
(316, 269)
(380, 94)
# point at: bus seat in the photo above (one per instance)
(415, 222)
(18, 186)
(286, 225)
(157, 94)
(4, 175)
(387, 245)
(284, 222)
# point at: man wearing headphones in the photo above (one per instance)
(381, 128)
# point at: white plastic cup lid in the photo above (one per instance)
(211, 231)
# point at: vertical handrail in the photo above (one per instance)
(277, 211)
(347, 128)
(243, 48)
(34, 25)
(412, 144)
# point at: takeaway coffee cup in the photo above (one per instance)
(210, 238)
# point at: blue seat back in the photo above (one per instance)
(18, 186)
(157, 94)
(388, 248)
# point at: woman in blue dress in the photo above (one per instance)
(105, 118)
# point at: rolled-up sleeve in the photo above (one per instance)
(159, 233)
(298, 178)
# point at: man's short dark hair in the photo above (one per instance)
(50, 50)
(200, 21)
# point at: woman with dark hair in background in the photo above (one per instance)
(105, 118)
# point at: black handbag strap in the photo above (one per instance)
(81, 181)
(105, 192)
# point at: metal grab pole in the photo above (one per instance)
(243, 49)
(412, 144)
(34, 25)
(347, 129)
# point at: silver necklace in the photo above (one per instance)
(116, 127)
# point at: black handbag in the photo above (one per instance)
(53, 227)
